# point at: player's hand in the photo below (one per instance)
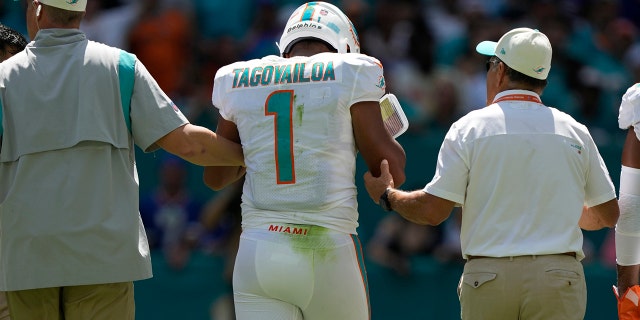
(377, 185)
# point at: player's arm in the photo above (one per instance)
(631, 150)
(216, 209)
(374, 142)
(628, 226)
(627, 277)
(202, 146)
(219, 177)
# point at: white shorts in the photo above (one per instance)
(296, 272)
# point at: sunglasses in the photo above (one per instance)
(492, 60)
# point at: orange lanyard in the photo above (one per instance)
(518, 97)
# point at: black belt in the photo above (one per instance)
(572, 254)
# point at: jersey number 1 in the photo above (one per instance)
(279, 104)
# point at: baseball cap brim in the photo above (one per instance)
(487, 48)
(70, 5)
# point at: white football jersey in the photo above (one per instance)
(630, 109)
(295, 127)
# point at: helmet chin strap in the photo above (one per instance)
(38, 12)
(343, 46)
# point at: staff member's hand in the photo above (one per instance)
(377, 185)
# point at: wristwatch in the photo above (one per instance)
(384, 200)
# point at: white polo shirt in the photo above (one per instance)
(629, 114)
(522, 172)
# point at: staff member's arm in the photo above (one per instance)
(202, 146)
(219, 177)
(601, 216)
(416, 206)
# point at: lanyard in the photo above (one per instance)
(518, 97)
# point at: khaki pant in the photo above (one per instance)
(4, 307)
(112, 301)
(547, 287)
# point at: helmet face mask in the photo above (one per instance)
(322, 21)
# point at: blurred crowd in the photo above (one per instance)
(427, 48)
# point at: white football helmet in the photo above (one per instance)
(323, 21)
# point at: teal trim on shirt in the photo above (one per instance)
(126, 77)
(1, 118)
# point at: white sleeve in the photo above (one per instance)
(629, 113)
(220, 91)
(452, 169)
(370, 84)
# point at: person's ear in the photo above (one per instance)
(501, 71)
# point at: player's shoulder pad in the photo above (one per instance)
(361, 59)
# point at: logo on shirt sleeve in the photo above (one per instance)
(577, 147)
(381, 83)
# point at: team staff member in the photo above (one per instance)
(301, 119)
(71, 238)
(11, 42)
(527, 177)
